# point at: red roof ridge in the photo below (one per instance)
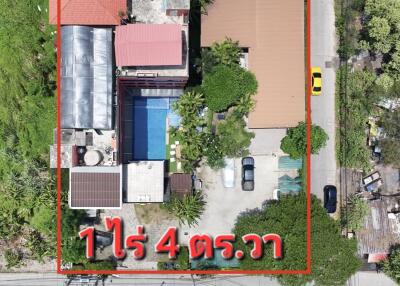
(106, 9)
(62, 8)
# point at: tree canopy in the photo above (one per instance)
(391, 266)
(226, 85)
(333, 257)
(382, 33)
(225, 53)
(295, 142)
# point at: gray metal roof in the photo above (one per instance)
(86, 77)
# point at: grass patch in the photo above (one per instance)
(172, 166)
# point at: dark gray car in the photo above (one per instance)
(248, 174)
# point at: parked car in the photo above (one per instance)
(330, 198)
(276, 195)
(248, 174)
(316, 81)
(228, 173)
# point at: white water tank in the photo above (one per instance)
(93, 157)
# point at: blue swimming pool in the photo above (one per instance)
(149, 128)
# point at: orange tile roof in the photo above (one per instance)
(87, 12)
(273, 31)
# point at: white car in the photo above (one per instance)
(228, 173)
(276, 194)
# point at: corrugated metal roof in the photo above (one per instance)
(95, 187)
(86, 77)
(273, 31)
(148, 45)
(88, 12)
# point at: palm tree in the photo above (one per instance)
(189, 209)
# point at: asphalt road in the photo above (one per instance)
(323, 54)
(52, 279)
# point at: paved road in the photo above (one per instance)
(323, 52)
(32, 279)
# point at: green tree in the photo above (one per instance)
(295, 142)
(385, 81)
(391, 266)
(382, 32)
(244, 105)
(226, 85)
(187, 210)
(233, 137)
(391, 151)
(226, 53)
(190, 106)
(331, 265)
(379, 30)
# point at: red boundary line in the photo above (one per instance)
(254, 272)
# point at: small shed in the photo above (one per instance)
(181, 184)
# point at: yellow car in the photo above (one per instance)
(316, 81)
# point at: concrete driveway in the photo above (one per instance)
(225, 204)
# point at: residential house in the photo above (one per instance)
(120, 74)
(271, 34)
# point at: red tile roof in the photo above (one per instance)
(148, 45)
(87, 12)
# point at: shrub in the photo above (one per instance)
(214, 152)
(13, 258)
(295, 142)
(356, 98)
(226, 85)
(44, 220)
(391, 152)
(233, 136)
(357, 209)
(391, 266)
(187, 210)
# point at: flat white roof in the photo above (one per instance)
(144, 181)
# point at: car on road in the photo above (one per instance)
(316, 81)
(248, 174)
(330, 198)
(228, 173)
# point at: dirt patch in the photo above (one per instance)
(151, 213)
